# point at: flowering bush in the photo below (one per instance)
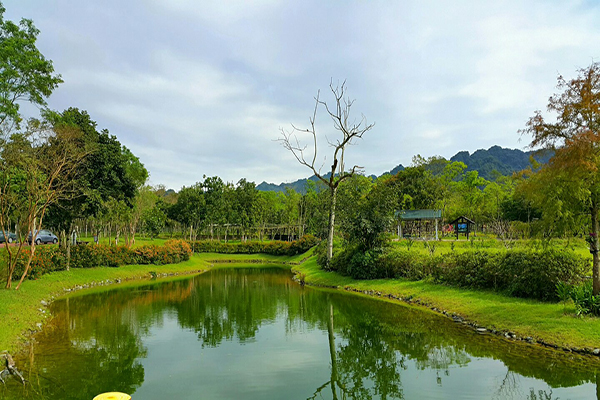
(45, 260)
(172, 252)
(51, 258)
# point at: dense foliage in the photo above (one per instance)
(276, 248)
(517, 272)
(52, 258)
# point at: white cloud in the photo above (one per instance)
(203, 87)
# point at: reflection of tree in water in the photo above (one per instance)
(363, 365)
(380, 342)
(233, 304)
(98, 356)
(366, 358)
(508, 387)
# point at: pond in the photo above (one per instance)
(254, 333)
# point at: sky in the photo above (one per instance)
(199, 88)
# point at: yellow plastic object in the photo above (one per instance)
(113, 396)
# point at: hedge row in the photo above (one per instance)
(52, 258)
(520, 273)
(276, 248)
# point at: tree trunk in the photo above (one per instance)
(594, 248)
(68, 255)
(331, 337)
(32, 252)
(331, 226)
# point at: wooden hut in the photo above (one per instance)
(418, 218)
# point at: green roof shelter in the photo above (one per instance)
(418, 215)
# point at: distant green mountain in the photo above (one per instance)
(499, 159)
(395, 170)
(299, 185)
(496, 158)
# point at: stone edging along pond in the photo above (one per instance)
(479, 328)
(414, 301)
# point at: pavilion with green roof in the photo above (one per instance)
(418, 216)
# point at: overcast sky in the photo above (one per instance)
(199, 88)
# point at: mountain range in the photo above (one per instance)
(488, 163)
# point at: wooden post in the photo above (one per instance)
(436, 229)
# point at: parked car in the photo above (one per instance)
(11, 237)
(43, 236)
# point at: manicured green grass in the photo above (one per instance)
(139, 240)
(545, 321)
(255, 257)
(446, 245)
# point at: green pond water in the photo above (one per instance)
(256, 334)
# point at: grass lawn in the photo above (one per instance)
(446, 245)
(139, 240)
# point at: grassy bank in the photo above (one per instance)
(547, 322)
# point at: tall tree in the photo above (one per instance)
(111, 171)
(350, 130)
(245, 204)
(190, 208)
(25, 74)
(214, 198)
(575, 138)
(39, 168)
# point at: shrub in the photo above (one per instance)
(519, 273)
(45, 260)
(172, 252)
(403, 264)
(340, 261)
(51, 258)
(359, 263)
(585, 301)
(276, 248)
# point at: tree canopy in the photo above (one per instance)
(25, 74)
(572, 175)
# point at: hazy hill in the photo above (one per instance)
(299, 185)
(496, 158)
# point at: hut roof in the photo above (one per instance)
(408, 215)
(462, 218)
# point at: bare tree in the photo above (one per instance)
(351, 129)
(37, 170)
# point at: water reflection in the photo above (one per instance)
(254, 333)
